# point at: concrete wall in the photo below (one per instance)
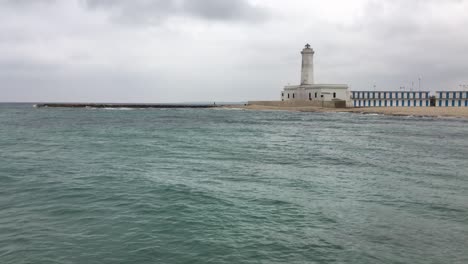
(301, 103)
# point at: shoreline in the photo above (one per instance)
(458, 112)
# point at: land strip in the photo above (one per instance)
(394, 111)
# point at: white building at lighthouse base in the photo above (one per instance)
(316, 92)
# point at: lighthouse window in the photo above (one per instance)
(334, 95)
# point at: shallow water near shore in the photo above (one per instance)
(228, 186)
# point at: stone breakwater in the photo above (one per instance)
(138, 106)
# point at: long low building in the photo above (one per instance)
(409, 99)
(452, 98)
(390, 99)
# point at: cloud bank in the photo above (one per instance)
(211, 50)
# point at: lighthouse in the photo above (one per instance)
(311, 93)
(307, 74)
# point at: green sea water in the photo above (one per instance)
(230, 186)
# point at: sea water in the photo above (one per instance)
(230, 186)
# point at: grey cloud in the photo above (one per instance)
(229, 10)
(156, 11)
(399, 18)
(25, 2)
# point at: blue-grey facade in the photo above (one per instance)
(452, 98)
(409, 99)
(390, 99)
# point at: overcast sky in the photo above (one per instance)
(224, 50)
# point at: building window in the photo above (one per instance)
(310, 96)
(334, 95)
(294, 96)
(288, 96)
(315, 95)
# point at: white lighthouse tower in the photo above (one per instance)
(307, 74)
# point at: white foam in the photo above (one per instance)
(120, 108)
